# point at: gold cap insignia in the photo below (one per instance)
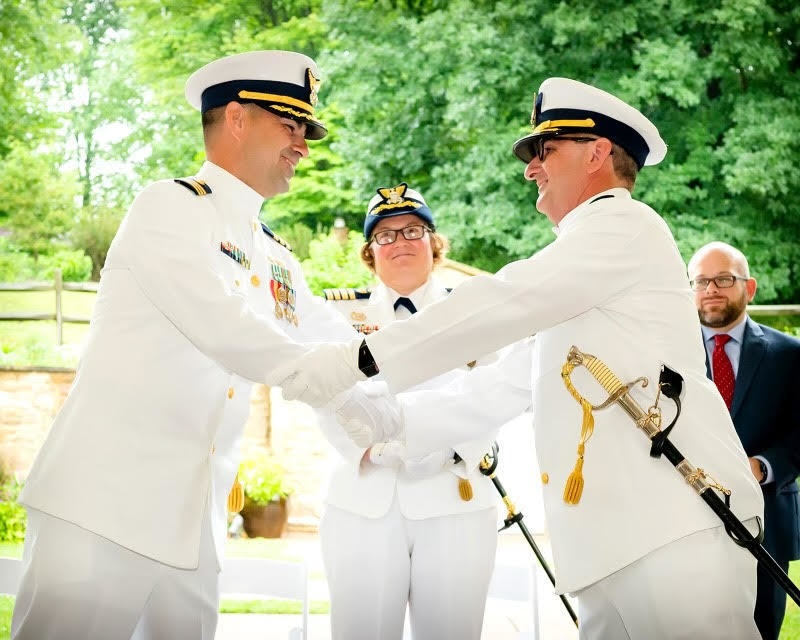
(393, 195)
(313, 85)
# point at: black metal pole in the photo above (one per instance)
(515, 517)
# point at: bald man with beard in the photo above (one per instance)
(766, 367)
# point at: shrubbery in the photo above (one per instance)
(12, 514)
(17, 265)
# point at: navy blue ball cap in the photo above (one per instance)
(396, 201)
(565, 106)
(282, 82)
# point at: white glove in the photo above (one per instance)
(361, 434)
(429, 464)
(324, 371)
(369, 414)
(387, 454)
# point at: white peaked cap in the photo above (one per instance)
(282, 82)
(564, 106)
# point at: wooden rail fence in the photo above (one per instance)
(59, 286)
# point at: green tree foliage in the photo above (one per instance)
(100, 100)
(93, 231)
(333, 264)
(446, 92)
(37, 199)
(431, 92)
(27, 28)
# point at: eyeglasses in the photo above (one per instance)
(720, 282)
(411, 232)
(537, 144)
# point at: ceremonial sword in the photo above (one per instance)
(670, 384)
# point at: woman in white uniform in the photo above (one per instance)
(418, 533)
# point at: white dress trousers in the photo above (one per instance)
(392, 540)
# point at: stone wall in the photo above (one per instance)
(30, 399)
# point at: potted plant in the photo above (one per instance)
(266, 495)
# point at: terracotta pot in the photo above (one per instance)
(267, 520)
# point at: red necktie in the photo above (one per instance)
(723, 371)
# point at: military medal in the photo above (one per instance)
(283, 293)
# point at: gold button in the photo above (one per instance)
(545, 478)
(213, 449)
(230, 392)
(236, 282)
(255, 280)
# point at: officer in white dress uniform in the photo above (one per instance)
(127, 497)
(646, 558)
(420, 533)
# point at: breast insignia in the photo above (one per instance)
(195, 185)
(275, 237)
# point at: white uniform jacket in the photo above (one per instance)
(195, 302)
(614, 285)
(369, 492)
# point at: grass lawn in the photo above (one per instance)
(6, 607)
(791, 623)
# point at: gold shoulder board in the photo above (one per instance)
(195, 185)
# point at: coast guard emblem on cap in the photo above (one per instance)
(313, 87)
(394, 198)
(394, 195)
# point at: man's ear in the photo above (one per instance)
(601, 149)
(235, 119)
(751, 285)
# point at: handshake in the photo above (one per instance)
(322, 373)
(373, 420)
(326, 376)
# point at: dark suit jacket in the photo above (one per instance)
(766, 414)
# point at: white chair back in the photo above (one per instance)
(247, 577)
(10, 575)
(517, 583)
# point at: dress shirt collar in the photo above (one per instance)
(736, 333)
(585, 207)
(235, 197)
(420, 297)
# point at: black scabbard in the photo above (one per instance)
(736, 529)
